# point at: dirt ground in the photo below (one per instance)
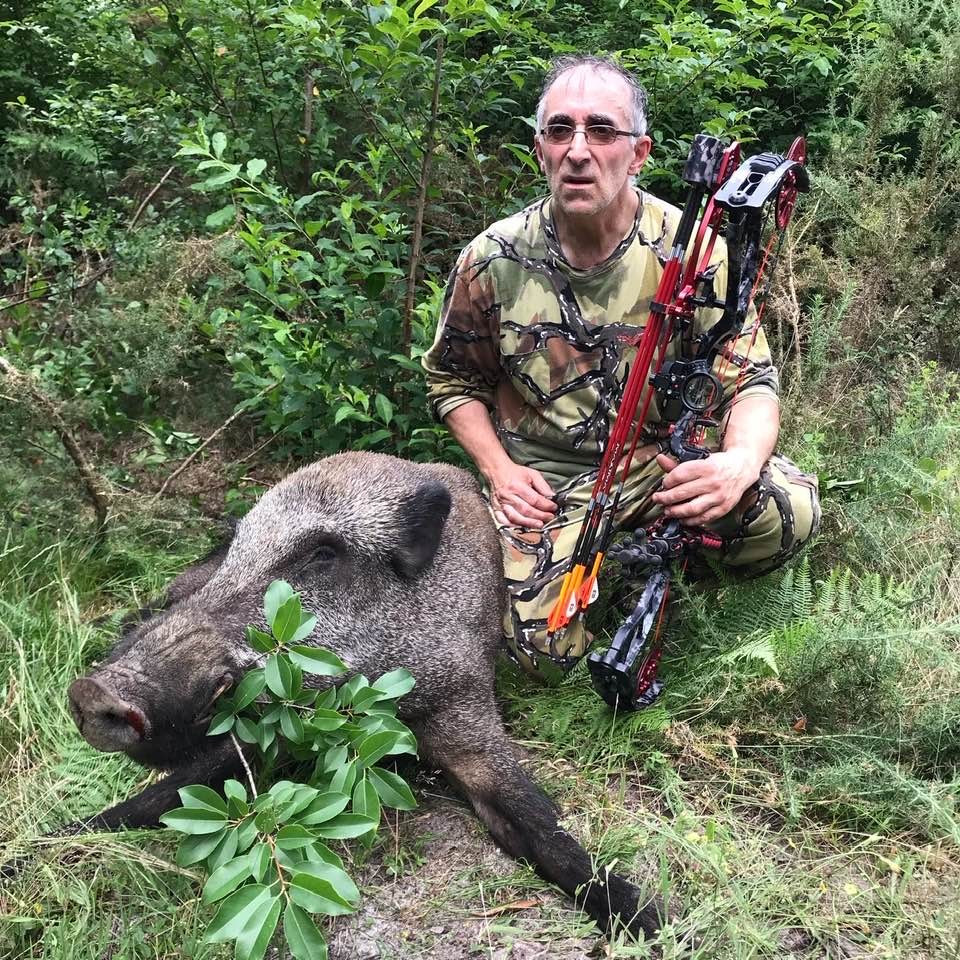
(456, 896)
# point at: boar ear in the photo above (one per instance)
(421, 524)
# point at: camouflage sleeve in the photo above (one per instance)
(464, 362)
(745, 359)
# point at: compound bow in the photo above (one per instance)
(735, 198)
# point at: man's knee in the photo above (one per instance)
(781, 515)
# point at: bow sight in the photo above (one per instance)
(735, 198)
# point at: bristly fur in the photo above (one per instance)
(400, 563)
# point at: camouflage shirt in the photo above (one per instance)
(541, 343)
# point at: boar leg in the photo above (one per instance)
(146, 808)
(478, 759)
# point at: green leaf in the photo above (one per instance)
(302, 797)
(366, 802)
(236, 911)
(294, 837)
(188, 149)
(392, 789)
(223, 216)
(253, 941)
(323, 888)
(395, 684)
(260, 641)
(317, 660)
(245, 833)
(365, 698)
(221, 723)
(303, 631)
(196, 848)
(255, 167)
(235, 790)
(277, 594)
(225, 879)
(343, 411)
(203, 798)
(303, 938)
(348, 691)
(249, 688)
(247, 730)
(278, 674)
(344, 778)
(384, 408)
(345, 827)
(326, 720)
(194, 820)
(335, 757)
(324, 808)
(223, 178)
(382, 744)
(225, 850)
(288, 618)
(258, 859)
(291, 725)
(219, 143)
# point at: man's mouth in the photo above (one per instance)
(577, 181)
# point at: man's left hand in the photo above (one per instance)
(699, 491)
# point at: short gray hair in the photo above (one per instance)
(568, 62)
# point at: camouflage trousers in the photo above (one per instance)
(773, 520)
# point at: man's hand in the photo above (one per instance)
(699, 491)
(520, 497)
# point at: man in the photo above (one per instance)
(529, 362)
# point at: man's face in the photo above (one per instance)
(587, 179)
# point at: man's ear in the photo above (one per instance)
(421, 525)
(538, 150)
(641, 150)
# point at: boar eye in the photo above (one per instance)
(323, 555)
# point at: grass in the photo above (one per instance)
(793, 794)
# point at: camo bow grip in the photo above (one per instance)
(703, 161)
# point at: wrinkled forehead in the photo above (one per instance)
(587, 90)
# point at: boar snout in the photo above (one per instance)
(106, 721)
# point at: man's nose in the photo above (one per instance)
(579, 150)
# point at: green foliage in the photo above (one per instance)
(265, 853)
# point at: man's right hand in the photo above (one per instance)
(520, 497)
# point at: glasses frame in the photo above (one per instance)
(585, 130)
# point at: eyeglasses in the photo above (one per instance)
(597, 134)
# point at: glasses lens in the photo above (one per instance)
(601, 133)
(559, 132)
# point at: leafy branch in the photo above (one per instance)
(266, 853)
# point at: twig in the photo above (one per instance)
(147, 199)
(246, 766)
(254, 32)
(114, 941)
(213, 436)
(309, 81)
(56, 291)
(384, 136)
(259, 447)
(417, 239)
(94, 484)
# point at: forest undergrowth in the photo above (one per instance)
(794, 793)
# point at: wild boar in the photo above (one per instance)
(401, 565)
